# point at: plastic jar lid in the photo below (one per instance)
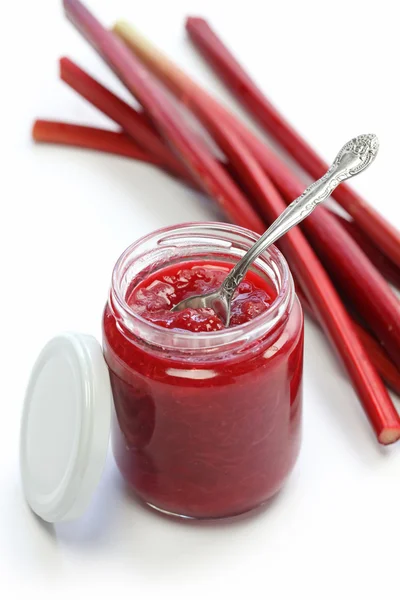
(65, 427)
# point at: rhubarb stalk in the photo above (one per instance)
(133, 122)
(383, 234)
(384, 265)
(92, 138)
(377, 355)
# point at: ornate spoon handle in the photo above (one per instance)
(353, 158)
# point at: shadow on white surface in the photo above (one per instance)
(120, 526)
(95, 527)
(34, 547)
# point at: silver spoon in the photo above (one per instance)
(353, 158)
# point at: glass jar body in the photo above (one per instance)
(205, 426)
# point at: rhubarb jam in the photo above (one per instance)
(154, 298)
(207, 418)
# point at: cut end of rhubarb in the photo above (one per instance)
(35, 130)
(121, 26)
(62, 65)
(64, 61)
(389, 435)
(194, 21)
(125, 31)
(134, 39)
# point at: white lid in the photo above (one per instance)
(65, 427)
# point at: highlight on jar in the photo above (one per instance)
(199, 376)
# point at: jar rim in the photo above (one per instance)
(182, 340)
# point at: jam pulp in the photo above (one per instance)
(205, 434)
(154, 298)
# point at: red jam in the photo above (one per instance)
(154, 298)
(205, 433)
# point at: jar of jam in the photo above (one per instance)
(207, 417)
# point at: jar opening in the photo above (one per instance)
(188, 242)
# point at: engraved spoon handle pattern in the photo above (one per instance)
(354, 157)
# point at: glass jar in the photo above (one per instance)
(207, 425)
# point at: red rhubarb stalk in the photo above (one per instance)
(204, 167)
(365, 287)
(377, 355)
(384, 235)
(384, 265)
(102, 140)
(93, 138)
(133, 122)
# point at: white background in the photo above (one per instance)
(65, 217)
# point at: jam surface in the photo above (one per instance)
(154, 298)
(216, 434)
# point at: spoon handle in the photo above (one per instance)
(353, 158)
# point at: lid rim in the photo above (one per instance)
(87, 447)
(41, 501)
